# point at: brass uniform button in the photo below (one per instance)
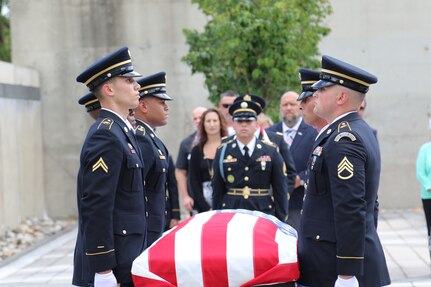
(124, 232)
(246, 178)
(246, 168)
(317, 237)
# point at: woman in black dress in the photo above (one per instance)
(211, 129)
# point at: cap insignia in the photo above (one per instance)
(247, 98)
(244, 105)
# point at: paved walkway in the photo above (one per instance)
(403, 234)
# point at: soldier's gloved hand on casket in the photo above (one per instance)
(351, 282)
(105, 280)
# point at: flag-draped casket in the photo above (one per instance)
(220, 248)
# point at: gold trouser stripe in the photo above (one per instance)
(350, 257)
(345, 76)
(107, 69)
(99, 253)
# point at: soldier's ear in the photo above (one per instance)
(143, 105)
(107, 88)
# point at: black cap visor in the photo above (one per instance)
(322, 84)
(131, 74)
(305, 94)
(162, 96)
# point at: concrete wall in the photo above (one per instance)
(72, 34)
(21, 161)
(388, 38)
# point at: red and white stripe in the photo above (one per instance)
(220, 248)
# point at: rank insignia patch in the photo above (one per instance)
(345, 169)
(100, 163)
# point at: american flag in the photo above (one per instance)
(221, 248)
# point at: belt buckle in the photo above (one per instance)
(246, 192)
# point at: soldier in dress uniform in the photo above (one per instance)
(112, 223)
(338, 242)
(276, 138)
(151, 113)
(92, 105)
(245, 168)
(306, 100)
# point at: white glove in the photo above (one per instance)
(352, 282)
(105, 280)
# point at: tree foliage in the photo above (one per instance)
(256, 46)
(5, 43)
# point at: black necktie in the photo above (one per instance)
(246, 155)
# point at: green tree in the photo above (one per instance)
(5, 43)
(256, 46)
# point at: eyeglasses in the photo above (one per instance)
(226, 105)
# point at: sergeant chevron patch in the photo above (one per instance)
(100, 163)
(345, 169)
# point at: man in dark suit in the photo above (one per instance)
(152, 112)
(245, 168)
(300, 137)
(338, 242)
(112, 223)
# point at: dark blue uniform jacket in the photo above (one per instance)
(338, 230)
(111, 206)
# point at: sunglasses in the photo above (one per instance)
(226, 105)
